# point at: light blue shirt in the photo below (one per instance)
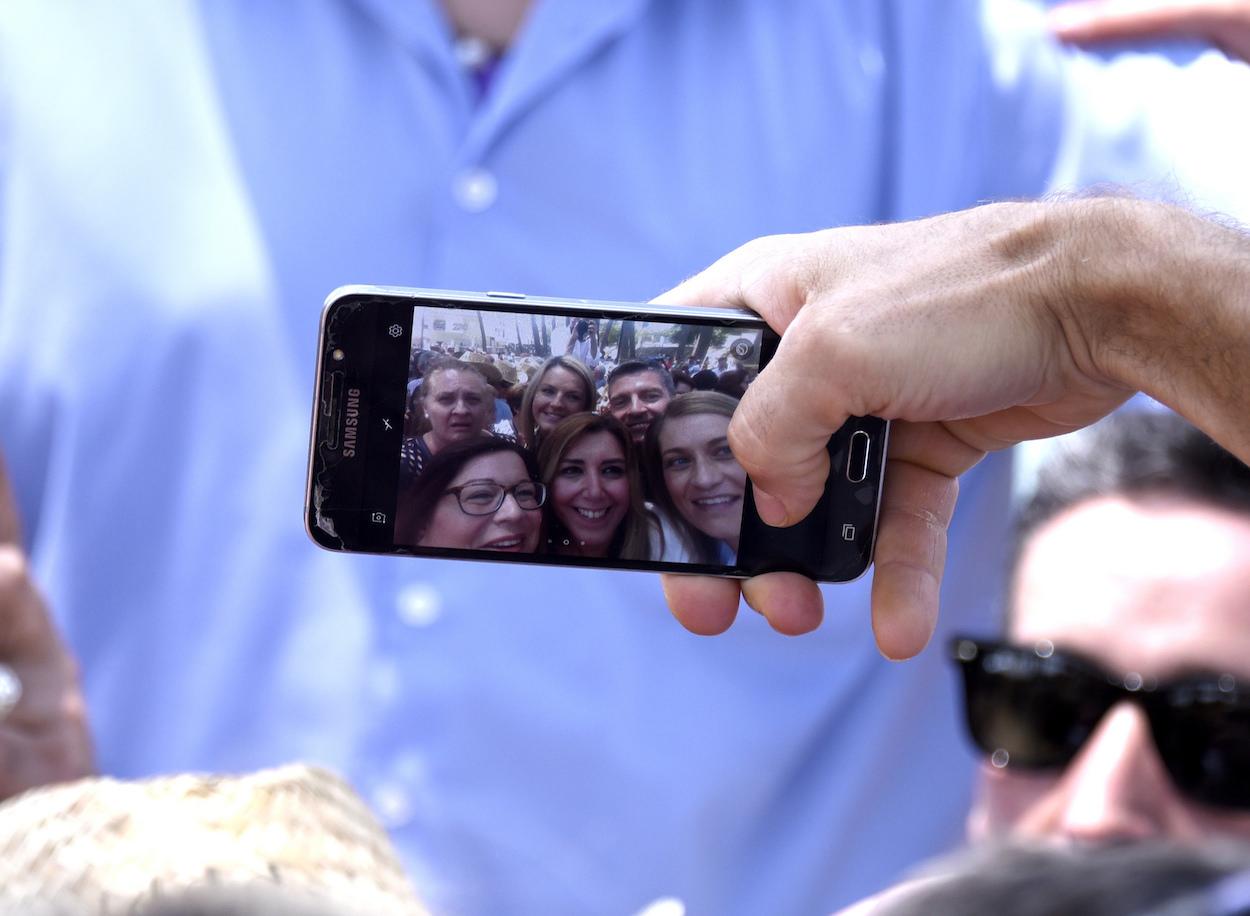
(183, 184)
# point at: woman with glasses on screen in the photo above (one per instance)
(561, 388)
(482, 494)
(695, 478)
(596, 507)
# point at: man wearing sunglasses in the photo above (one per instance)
(1118, 705)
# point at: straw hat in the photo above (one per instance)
(529, 367)
(106, 846)
(508, 371)
(482, 363)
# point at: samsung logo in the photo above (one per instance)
(351, 422)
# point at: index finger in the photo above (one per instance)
(764, 275)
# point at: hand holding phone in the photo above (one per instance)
(509, 428)
(932, 321)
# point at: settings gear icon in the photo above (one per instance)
(395, 330)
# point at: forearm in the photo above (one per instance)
(1161, 298)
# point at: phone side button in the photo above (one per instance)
(494, 294)
(857, 459)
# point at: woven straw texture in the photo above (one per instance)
(104, 846)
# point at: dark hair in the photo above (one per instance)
(1135, 879)
(417, 502)
(637, 366)
(1136, 454)
(421, 362)
(704, 380)
(732, 382)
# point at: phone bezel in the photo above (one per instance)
(367, 472)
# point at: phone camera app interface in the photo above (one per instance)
(573, 436)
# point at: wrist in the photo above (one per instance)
(1161, 300)
(1132, 278)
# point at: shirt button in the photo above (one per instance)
(475, 190)
(419, 605)
(393, 804)
(472, 53)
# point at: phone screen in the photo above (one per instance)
(577, 436)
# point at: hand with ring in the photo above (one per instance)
(43, 721)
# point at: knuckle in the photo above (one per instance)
(912, 535)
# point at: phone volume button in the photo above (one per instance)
(496, 294)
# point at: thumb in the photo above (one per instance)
(783, 423)
(780, 433)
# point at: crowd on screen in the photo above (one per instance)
(575, 455)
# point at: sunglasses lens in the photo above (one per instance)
(1203, 736)
(1038, 711)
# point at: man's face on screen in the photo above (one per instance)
(637, 400)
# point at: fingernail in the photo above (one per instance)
(770, 509)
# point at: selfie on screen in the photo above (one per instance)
(573, 436)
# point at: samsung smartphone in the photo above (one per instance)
(482, 426)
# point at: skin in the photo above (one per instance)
(590, 492)
(973, 330)
(1223, 23)
(494, 21)
(637, 400)
(44, 737)
(510, 529)
(460, 405)
(560, 394)
(702, 476)
(1157, 587)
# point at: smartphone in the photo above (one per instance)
(513, 428)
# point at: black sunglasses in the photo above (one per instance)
(1035, 707)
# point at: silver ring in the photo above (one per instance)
(10, 690)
